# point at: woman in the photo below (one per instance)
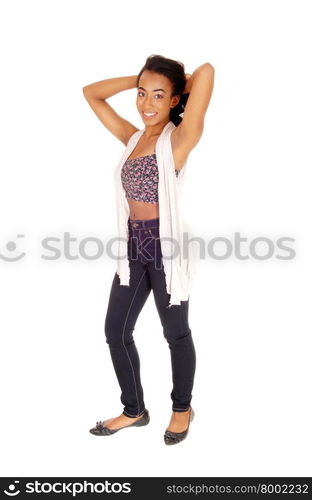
(172, 105)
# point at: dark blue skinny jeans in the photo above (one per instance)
(124, 306)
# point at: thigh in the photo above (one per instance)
(174, 319)
(126, 302)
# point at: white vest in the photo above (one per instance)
(179, 262)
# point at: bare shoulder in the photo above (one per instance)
(129, 130)
(177, 142)
(180, 149)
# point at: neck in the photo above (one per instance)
(154, 130)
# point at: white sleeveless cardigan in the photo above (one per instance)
(179, 262)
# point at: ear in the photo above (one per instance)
(174, 101)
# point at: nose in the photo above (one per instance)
(148, 100)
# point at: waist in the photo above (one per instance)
(143, 224)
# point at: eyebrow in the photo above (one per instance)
(155, 90)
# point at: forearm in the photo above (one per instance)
(111, 86)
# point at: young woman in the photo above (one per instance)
(172, 105)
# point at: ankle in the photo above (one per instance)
(184, 412)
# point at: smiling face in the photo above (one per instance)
(154, 100)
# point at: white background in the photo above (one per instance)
(250, 173)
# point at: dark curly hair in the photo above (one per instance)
(174, 71)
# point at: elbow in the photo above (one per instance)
(207, 67)
(87, 92)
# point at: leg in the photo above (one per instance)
(124, 306)
(177, 332)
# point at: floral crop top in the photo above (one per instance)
(139, 178)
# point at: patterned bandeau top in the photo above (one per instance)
(139, 178)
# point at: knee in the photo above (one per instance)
(113, 334)
(112, 331)
(116, 334)
(177, 337)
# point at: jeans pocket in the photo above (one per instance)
(153, 232)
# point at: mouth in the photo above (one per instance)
(148, 115)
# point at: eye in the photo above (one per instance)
(140, 92)
(159, 95)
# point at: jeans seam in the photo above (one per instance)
(123, 340)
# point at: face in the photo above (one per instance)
(154, 97)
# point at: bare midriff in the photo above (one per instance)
(140, 210)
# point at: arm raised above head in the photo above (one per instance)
(96, 95)
(199, 85)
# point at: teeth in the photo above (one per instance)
(150, 114)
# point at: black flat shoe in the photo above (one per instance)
(101, 430)
(176, 437)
